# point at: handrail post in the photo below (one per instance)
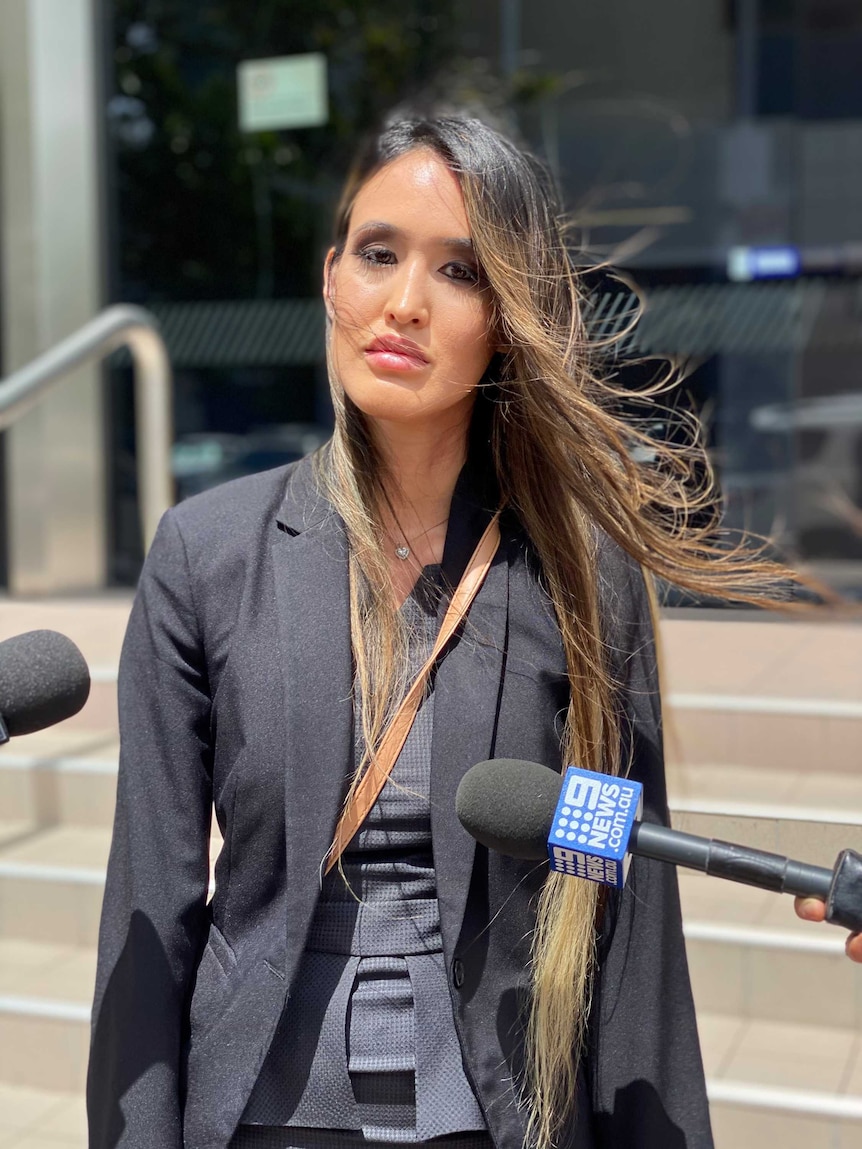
(116, 327)
(154, 426)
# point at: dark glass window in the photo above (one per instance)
(211, 225)
(679, 131)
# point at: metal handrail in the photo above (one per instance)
(119, 326)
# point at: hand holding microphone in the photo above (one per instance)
(813, 910)
(586, 825)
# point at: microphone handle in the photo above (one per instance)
(728, 860)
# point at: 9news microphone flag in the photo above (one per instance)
(592, 825)
(587, 827)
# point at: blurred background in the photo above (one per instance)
(187, 156)
(184, 156)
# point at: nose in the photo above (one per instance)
(407, 304)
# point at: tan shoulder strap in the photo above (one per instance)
(380, 766)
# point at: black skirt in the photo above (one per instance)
(286, 1137)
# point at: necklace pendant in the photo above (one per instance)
(402, 553)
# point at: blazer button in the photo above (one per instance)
(457, 973)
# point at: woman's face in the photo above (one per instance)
(410, 316)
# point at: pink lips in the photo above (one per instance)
(391, 353)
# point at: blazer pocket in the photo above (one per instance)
(213, 984)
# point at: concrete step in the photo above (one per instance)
(810, 816)
(792, 733)
(96, 622)
(748, 654)
(52, 881)
(776, 694)
(41, 1118)
(779, 1012)
(46, 993)
(751, 958)
(60, 777)
(777, 1084)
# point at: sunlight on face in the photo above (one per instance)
(410, 316)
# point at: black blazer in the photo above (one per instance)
(235, 690)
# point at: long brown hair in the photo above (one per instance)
(567, 463)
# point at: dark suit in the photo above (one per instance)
(235, 688)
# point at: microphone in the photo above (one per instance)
(44, 679)
(586, 825)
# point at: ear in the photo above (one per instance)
(328, 267)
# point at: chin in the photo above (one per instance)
(392, 409)
(402, 400)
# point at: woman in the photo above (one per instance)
(423, 988)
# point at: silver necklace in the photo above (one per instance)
(403, 551)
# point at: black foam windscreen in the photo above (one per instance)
(508, 805)
(44, 679)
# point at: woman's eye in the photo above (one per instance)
(462, 272)
(376, 256)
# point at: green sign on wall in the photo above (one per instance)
(283, 92)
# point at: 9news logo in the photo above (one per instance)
(592, 825)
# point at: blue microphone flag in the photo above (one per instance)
(592, 825)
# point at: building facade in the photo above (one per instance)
(187, 158)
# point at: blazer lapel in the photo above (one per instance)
(312, 592)
(466, 702)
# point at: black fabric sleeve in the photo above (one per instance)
(645, 1065)
(154, 915)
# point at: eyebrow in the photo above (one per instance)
(382, 230)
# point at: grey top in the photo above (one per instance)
(346, 1055)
